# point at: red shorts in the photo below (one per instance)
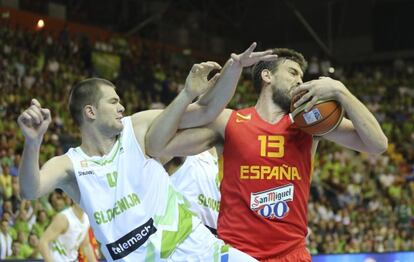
(297, 255)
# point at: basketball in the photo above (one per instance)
(321, 119)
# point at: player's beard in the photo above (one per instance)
(282, 98)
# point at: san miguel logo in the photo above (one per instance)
(272, 203)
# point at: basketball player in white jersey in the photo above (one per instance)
(67, 232)
(198, 180)
(134, 211)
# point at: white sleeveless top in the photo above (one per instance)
(65, 247)
(134, 211)
(197, 179)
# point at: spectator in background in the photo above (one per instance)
(34, 245)
(5, 181)
(17, 253)
(5, 240)
(42, 222)
(67, 232)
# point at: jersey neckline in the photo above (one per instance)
(270, 125)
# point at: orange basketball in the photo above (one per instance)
(321, 119)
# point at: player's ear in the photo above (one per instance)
(266, 76)
(89, 112)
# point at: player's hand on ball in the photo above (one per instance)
(34, 121)
(321, 89)
(197, 82)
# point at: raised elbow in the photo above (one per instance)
(381, 147)
(153, 153)
(25, 194)
(152, 150)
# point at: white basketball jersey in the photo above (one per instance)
(197, 179)
(65, 247)
(135, 212)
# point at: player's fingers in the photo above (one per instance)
(36, 119)
(297, 89)
(214, 78)
(311, 103)
(35, 102)
(269, 58)
(235, 57)
(324, 77)
(250, 49)
(303, 99)
(45, 113)
(308, 83)
(36, 110)
(302, 87)
(216, 65)
(24, 118)
(263, 53)
(208, 66)
(195, 68)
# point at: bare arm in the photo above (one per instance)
(165, 126)
(87, 249)
(210, 104)
(201, 139)
(361, 132)
(58, 226)
(33, 181)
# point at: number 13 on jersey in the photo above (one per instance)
(272, 146)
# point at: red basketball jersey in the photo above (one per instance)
(265, 187)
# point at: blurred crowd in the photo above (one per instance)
(358, 202)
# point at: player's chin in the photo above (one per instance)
(119, 126)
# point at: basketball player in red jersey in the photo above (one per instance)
(267, 161)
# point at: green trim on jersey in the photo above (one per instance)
(111, 158)
(216, 254)
(225, 249)
(171, 239)
(58, 247)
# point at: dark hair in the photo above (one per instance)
(86, 92)
(283, 54)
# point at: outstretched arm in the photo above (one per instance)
(210, 104)
(165, 126)
(34, 122)
(361, 132)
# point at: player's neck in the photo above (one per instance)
(267, 109)
(95, 143)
